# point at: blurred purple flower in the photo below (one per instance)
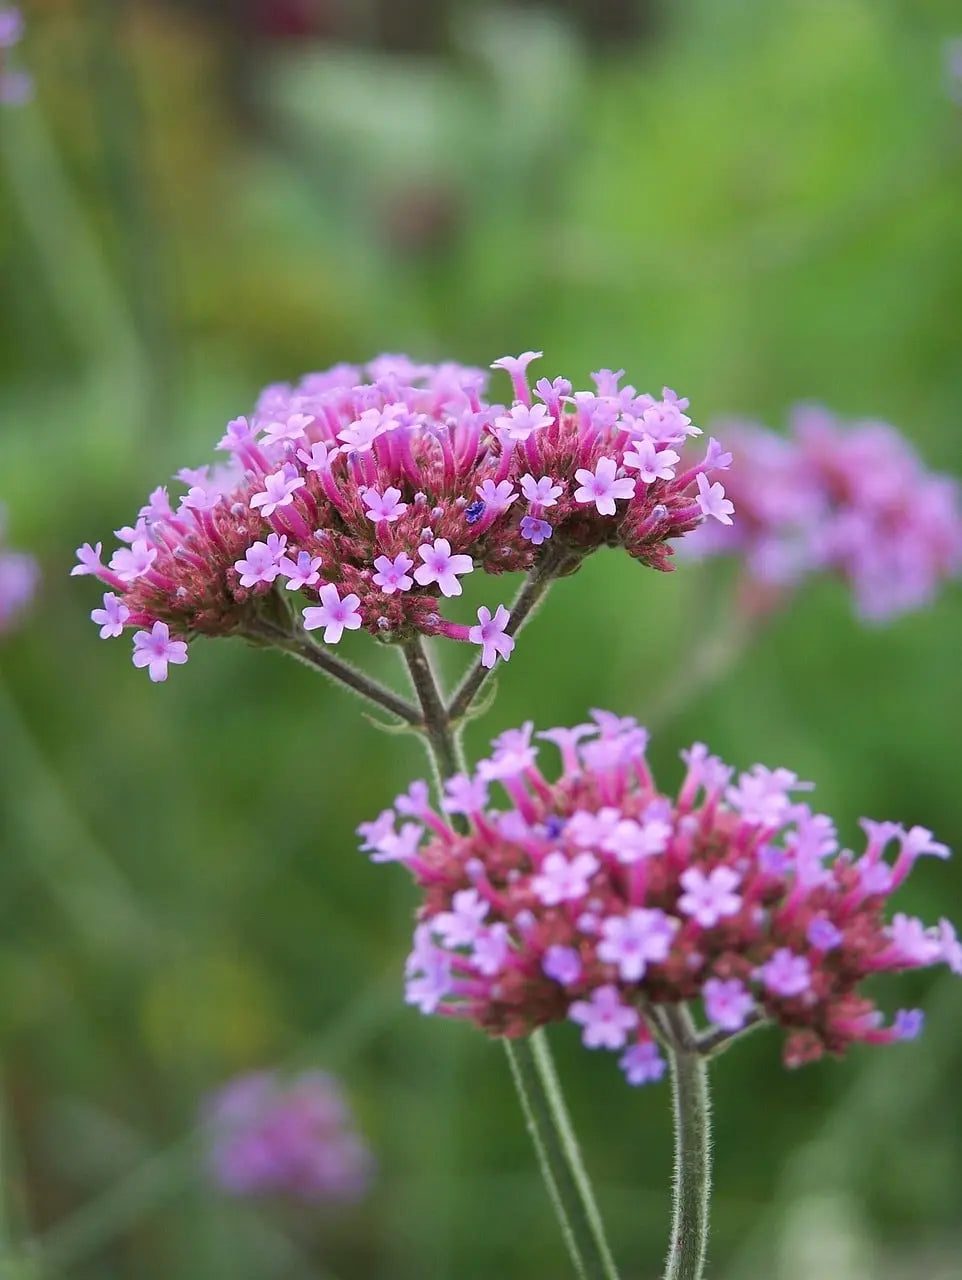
(851, 499)
(15, 86)
(270, 1136)
(19, 573)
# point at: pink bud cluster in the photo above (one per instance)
(18, 581)
(266, 1136)
(855, 500)
(598, 899)
(15, 86)
(375, 499)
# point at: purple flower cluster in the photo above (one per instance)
(18, 581)
(296, 1138)
(854, 500)
(15, 86)
(376, 499)
(599, 899)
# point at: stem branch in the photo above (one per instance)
(715, 1041)
(307, 651)
(532, 592)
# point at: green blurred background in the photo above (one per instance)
(751, 202)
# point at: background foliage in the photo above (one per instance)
(753, 203)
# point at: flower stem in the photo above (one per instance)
(716, 1040)
(690, 1194)
(445, 748)
(532, 592)
(532, 1067)
(299, 646)
(539, 1091)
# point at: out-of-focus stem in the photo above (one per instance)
(122, 130)
(692, 1186)
(724, 630)
(92, 310)
(5, 1246)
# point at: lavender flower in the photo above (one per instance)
(855, 501)
(267, 1136)
(377, 498)
(597, 899)
(19, 572)
(153, 649)
(15, 86)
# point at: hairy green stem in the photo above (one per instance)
(600, 1256)
(532, 1067)
(554, 1142)
(442, 739)
(692, 1186)
(299, 646)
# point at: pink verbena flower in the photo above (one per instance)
(111, 617)
(15, 86)
(267, 1136)
(334, 614)
(491, 635)
(19, 575)
(390, 485)
(851, 499)
(560, 907)
(153, 649)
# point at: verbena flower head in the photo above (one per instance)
(19, 575)
(598, 899)
(267, 1136)
(15, 86)
(851, 499)
(372, 499)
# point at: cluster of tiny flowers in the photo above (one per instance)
(18, 581)
(270, 1137)
(374, 499)
(598, 899)
(15, 86)
(853, 500)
